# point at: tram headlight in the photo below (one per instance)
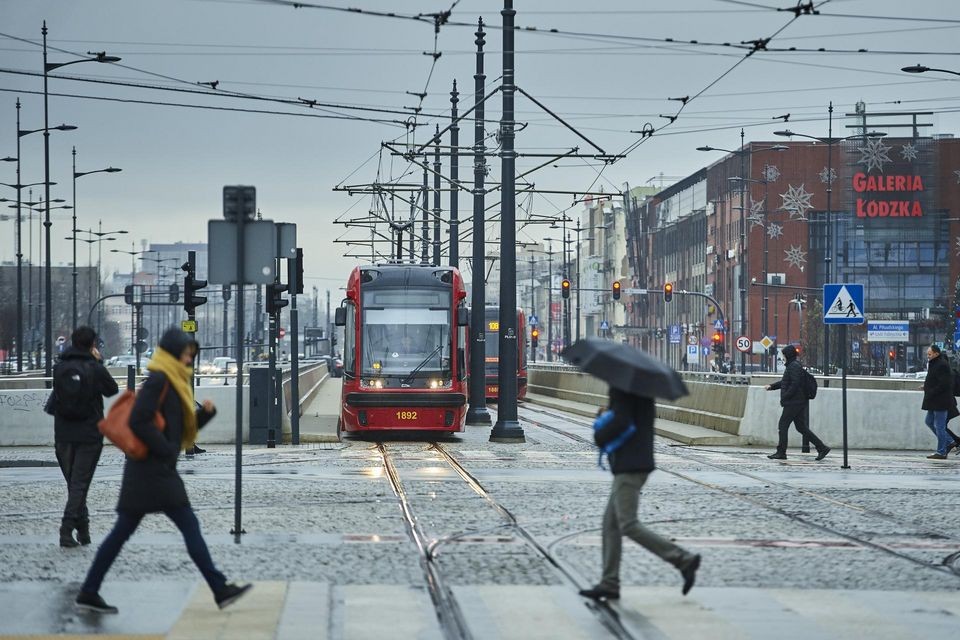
(375, 383)
(436, 383)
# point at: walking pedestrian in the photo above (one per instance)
(153, 485)
(796, 405)
(631, 465)
(938, 400)
(80, 381)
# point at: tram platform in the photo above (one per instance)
(178, 610)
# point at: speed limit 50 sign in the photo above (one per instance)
(744, 344)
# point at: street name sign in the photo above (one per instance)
(888, 331)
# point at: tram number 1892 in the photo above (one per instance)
(406, 415)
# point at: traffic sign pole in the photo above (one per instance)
(845, 306)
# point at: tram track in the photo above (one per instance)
(449, 613)
(949, 565)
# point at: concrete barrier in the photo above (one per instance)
(23, 422)
(881, 413)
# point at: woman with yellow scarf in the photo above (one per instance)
(165, 419)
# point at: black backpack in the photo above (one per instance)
(809, 385)
(74, 390)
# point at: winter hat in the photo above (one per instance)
(174, 341)
(790, 352)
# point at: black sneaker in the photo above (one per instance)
(777, 456)
(599, 593)
(93, 602)
(83, 534)
(195, 450)
(230, 594)
(66, 537)
(689, 574)
(823, 453)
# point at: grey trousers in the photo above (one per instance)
(620, 519)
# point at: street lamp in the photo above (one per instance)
(47, 68)
(133, 253)
(742, 152)
(98, 237)
(919, 68)
(828, 244)
(78, 174)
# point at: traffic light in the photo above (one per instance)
(295, 272)
(274, 300)
(616, 290)
(565, 288)
(892, 354)
(717, 342)
(174, 292)
(668, 292)
(239, 202)
(191, 285)
(534, 338)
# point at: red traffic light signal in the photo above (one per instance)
(565, 288)
(668, 292)
(717, 337)
(616, 290)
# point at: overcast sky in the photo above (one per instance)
(605, 73)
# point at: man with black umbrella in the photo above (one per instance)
(630, 456)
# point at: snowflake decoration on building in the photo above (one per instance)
(774, 230)
(756, 207)
(909, 152)
(874, 155)
(755, 219)
(958, 245)
(957, 173)
(770, 172)
(795, 257)
(827, 176)
(796, 201)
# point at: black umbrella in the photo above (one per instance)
(626, 368)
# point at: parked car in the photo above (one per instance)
(335, 366)
(124, 361)
(224, 364)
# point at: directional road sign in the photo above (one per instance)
(744, 344)
(843, 303)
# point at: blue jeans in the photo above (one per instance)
(937, 422)
(127, 523)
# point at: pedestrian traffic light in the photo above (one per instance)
(565, 288)
(191, 285)
(295, 273)
(274, 300)
(534, 338)
(616, 290)
(668, 292)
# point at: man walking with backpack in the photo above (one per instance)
(796, 390)
(79, 383)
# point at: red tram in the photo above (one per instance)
(404, 362)
(491, 363)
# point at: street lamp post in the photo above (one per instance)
(133, 253)
(549, 299)
(78, 174)
(919, 68)
(828, 239)
(47, 68)
(742, 152)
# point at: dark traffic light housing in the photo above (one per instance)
(274, 300)
(616, 290)
(239, 202)
(565, 288)
(668, 292)
(534, 337)
(717, 342)
(191, 285)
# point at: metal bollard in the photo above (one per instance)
(131, 377)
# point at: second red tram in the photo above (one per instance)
(404, 363)
(491, 364)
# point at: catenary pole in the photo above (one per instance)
(454, 249)
(507, 427)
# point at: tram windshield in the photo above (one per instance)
(406, 330)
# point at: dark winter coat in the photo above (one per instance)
(636, 454)
(791, 385)
(938, 386)
(83, 431)
(153, 484)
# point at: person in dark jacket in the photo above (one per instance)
(796, 405)
(938, 400)
(76, 411)
(153, 485)
(631, 464)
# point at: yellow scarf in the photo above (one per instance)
(179, 375)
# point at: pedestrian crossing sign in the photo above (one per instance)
(843, 303)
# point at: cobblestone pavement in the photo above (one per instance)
(325, 515)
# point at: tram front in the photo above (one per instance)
(404, 341)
